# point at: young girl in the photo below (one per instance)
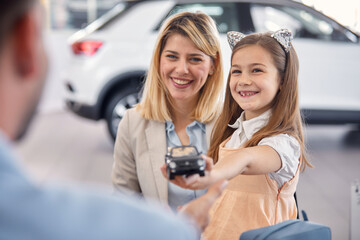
(257, 142)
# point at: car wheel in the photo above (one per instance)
(170, 175)
(116, 108)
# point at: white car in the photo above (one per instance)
(111, 55)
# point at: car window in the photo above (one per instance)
(301, 22)
(224, 14)
(115, 14)
(75, 14)
(183, 151)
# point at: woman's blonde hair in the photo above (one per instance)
(156, 103)
(285, 118)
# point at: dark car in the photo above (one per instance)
(184, 160)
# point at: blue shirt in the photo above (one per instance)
(28, 211)
(196, 131)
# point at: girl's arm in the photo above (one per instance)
(251, 160)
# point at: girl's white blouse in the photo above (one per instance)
(285, 145)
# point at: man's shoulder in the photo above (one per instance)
(8, 159)
(94, 213)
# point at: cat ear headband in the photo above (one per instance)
(283, 36)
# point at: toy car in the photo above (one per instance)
(184, 160)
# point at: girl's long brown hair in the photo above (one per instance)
(285, 118)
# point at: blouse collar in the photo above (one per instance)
(169, 126)
(253, 125)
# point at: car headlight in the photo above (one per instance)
(200, 162)
(172, 165)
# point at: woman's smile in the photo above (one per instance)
(181, 82)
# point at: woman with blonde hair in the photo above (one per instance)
(181, 99)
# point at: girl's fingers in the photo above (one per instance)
(209, 162)
(186, 182)
(179, 181)
(182, 181)
(191, 179)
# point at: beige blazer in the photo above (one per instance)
(139, 153)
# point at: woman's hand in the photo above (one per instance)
(195, 181)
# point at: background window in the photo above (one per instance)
(301, 22)
(77, 13)
(224, 14)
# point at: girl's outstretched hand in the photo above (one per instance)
(195, 181)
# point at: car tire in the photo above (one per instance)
(116, 107)
(170, 175)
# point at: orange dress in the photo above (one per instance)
(249, 202)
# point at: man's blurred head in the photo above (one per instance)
(23, 64)
(11, 11)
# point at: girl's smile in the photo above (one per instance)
(248, 93)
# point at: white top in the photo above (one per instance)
(285, 145)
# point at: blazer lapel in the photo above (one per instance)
(156, 141)
(208, 129)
